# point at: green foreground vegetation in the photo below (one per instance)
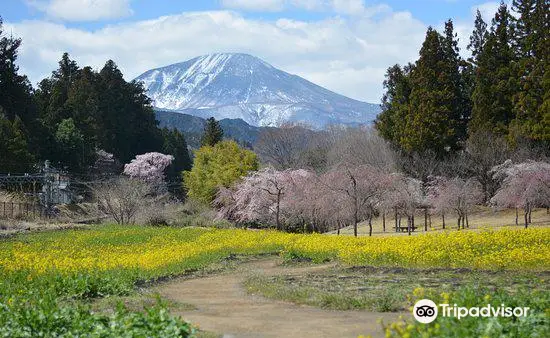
(50, 281)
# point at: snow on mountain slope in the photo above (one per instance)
(234, 85)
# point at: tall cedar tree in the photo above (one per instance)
(17, 110)
(213, 133)
(478, 38)
(14, 153)
(390, 123)
(128, 120)
(433, 121)
(458, 71)
(532, 45)
(495, 84)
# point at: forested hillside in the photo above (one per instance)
(73, 114)
(503, 90)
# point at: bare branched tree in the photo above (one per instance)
(283, 148)
(361, 146)
(122, 198)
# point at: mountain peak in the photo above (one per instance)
(238, 85)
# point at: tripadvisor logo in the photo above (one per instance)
(426, 311)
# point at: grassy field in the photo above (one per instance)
(482, 218)
(48, 279)
(387, 289)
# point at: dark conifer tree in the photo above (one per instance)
(390, 123)
(531, 42)
(14, 150)
(213, 132)
(432, 122)
(175, 145)
(495, 85)
(18, 123)
(478, 38)
(459, 73)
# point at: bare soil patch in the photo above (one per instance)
(223, 305)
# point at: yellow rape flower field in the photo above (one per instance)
(46, 278)
(157, 249)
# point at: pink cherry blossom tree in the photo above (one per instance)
(260, 196)
(313, 205)
(149, 167)
(455, 194)
(524, 185)
(361, 187)
(403, 195)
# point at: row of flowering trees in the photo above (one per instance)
(347, 195)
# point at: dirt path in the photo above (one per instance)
(224, 306)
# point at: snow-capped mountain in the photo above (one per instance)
(234, 85)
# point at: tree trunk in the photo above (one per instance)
(409, 221)
(425, 219)
(355, 220)
(399, 224)
(338, 225)
(467, 222)
(459, 219)
(430, 219)
(516, 216)
(277, 220)
(526, 216)
(396, 220)
(530, 210)
(384, 221)
(412, 222)
(463, 217)
(443, 217)
(370, 226)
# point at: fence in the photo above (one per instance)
(22, 210)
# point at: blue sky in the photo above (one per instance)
(344, 45)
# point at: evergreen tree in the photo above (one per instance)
(20, 127)
(432, 122)
(458, 71)
(83, 103)
(175, 145)
(74, 153)
(390, 123)
(62, 80)
(14, 150)
(478, 38)
(213, 133)
(532, 71)
(495, 86)
(15, 89)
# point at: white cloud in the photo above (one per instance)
(83, 10)
(348, 6)
(255, 5)
(487, 9)
(348, 55)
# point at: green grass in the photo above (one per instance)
(385, 289)
(91, 302)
